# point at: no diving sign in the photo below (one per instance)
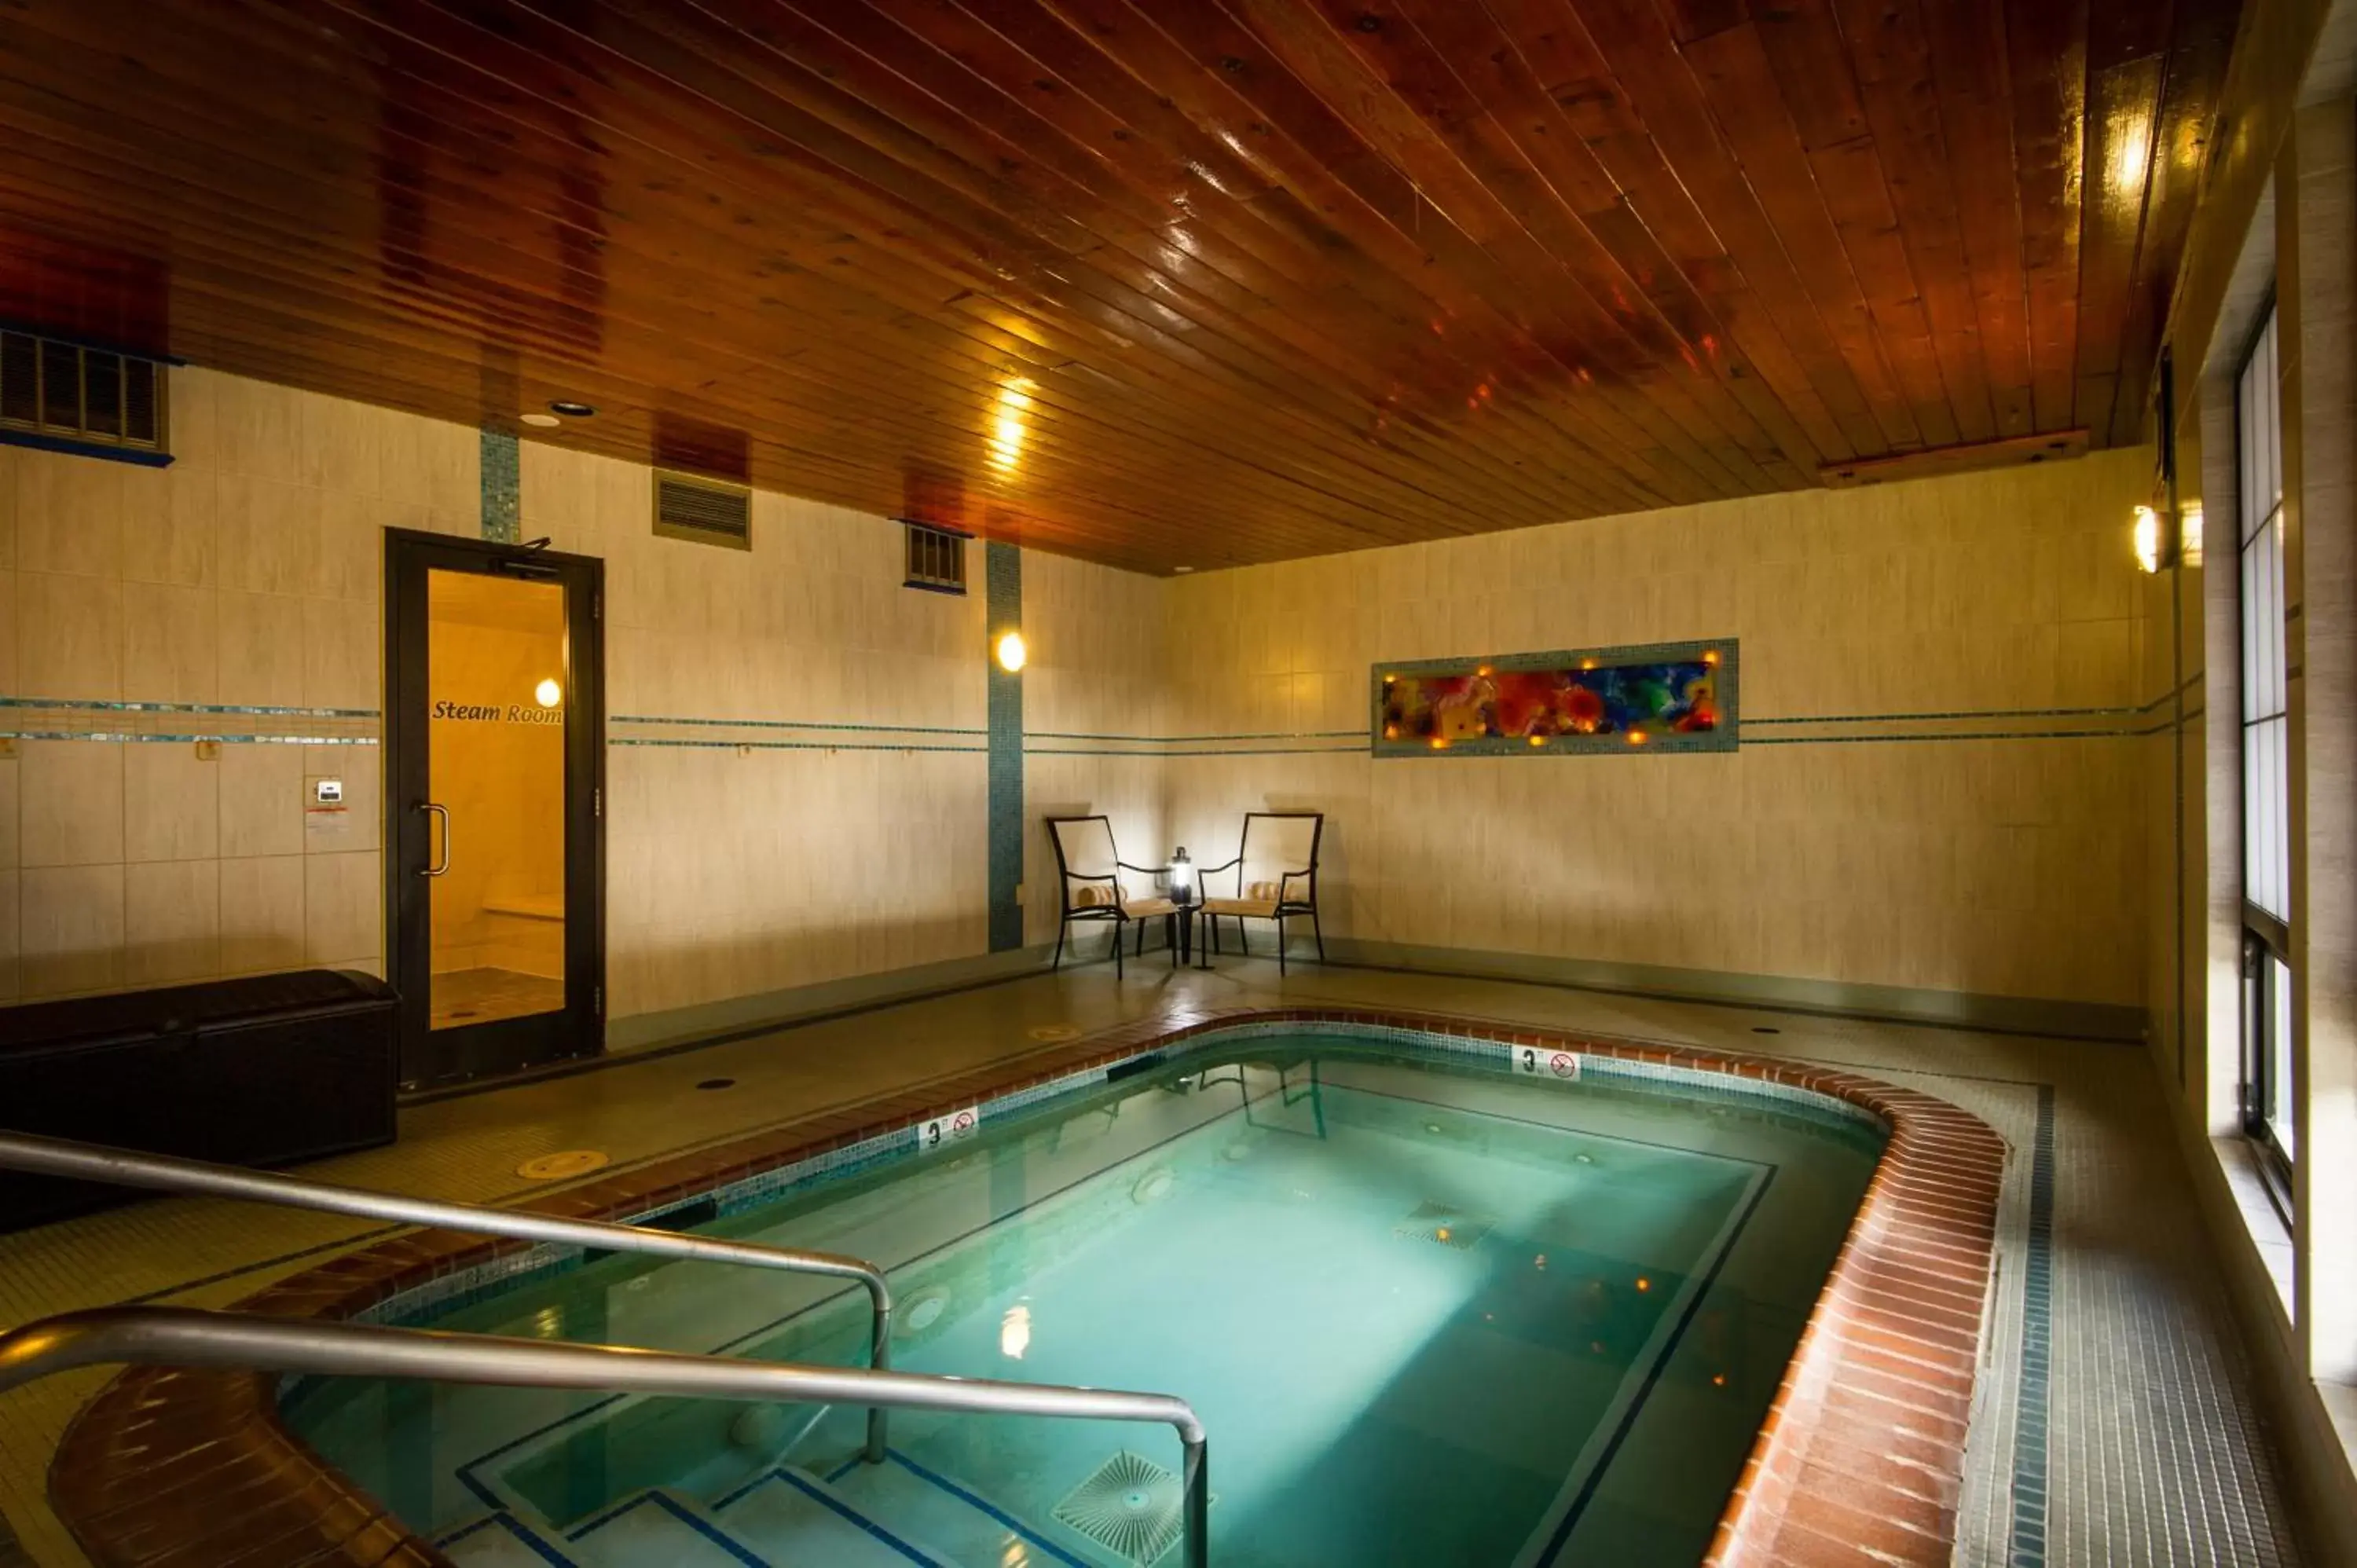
(1538, 1061)
(953, 1128)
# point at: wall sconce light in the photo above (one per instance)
(2147, 540)
(1011, 652)
(548, 694)
(1182, 878)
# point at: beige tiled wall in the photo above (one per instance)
(823, 853)
(244, 573)
(248, 573)
(2002, 867)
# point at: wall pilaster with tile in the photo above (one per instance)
(244, 576)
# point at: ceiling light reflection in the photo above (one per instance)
(2131, 155)
(1015, 1332)
(1008, 427)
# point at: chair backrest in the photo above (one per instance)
(1276, 842)
(1084, 849)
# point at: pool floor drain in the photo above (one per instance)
(1443, 1223)
(556, 1168)
(1130, 1506)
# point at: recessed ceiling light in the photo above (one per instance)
(543, 421)
(571, 410)
(1182, 569)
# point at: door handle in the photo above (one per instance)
(432, 810)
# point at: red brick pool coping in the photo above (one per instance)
(1858, 1462)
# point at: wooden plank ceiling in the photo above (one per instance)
(1159, 282)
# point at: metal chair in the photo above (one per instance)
(1277, 877)
(1089, 870)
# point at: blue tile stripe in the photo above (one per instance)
(515, 1527)
(502, 487)
(734, 1548)
(837, 1506)
(1004, 568)
(2031, 1403)
(983, 1506)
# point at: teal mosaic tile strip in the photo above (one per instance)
(1004, 569)
(1962, 714)
(47, 719)
(791, 745)
(2032, 1472)
(1238, 751)
(793, 723)
(119, 738)
(85, 706)
(502, 487)
(1943, 734)
(1183, 739)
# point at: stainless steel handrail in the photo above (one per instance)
(123, 1167)
(183, 1336)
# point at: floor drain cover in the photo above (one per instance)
(1443, 1223)
(556, 1168)
(1055, 1033)
(1131, 1505)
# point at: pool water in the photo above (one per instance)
(1428, 1312)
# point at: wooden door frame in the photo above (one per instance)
(428, 1058)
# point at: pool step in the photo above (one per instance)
(969, 1529)
(790, 1517)
(899, 1514)
(658, 1530)
(503, 1541)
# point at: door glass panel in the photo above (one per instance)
(496, 681)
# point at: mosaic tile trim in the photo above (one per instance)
(47, 718)
(2031, 1473)
(688, 744)
(1887, 1359)
(1002, 566)
(791, 724)
(502, 487)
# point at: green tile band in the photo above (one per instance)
(1004, 565)
(502, 489)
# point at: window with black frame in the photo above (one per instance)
(2266, 754)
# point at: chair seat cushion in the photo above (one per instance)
(1147, 909)
(1256, 908)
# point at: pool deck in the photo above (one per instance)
(2110, 1423)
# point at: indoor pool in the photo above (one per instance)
(1430, 1309)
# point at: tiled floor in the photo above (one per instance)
(2147, 1451)
(482, 995)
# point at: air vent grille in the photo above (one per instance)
(72, 394)
(936, 558)
(704, 511)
